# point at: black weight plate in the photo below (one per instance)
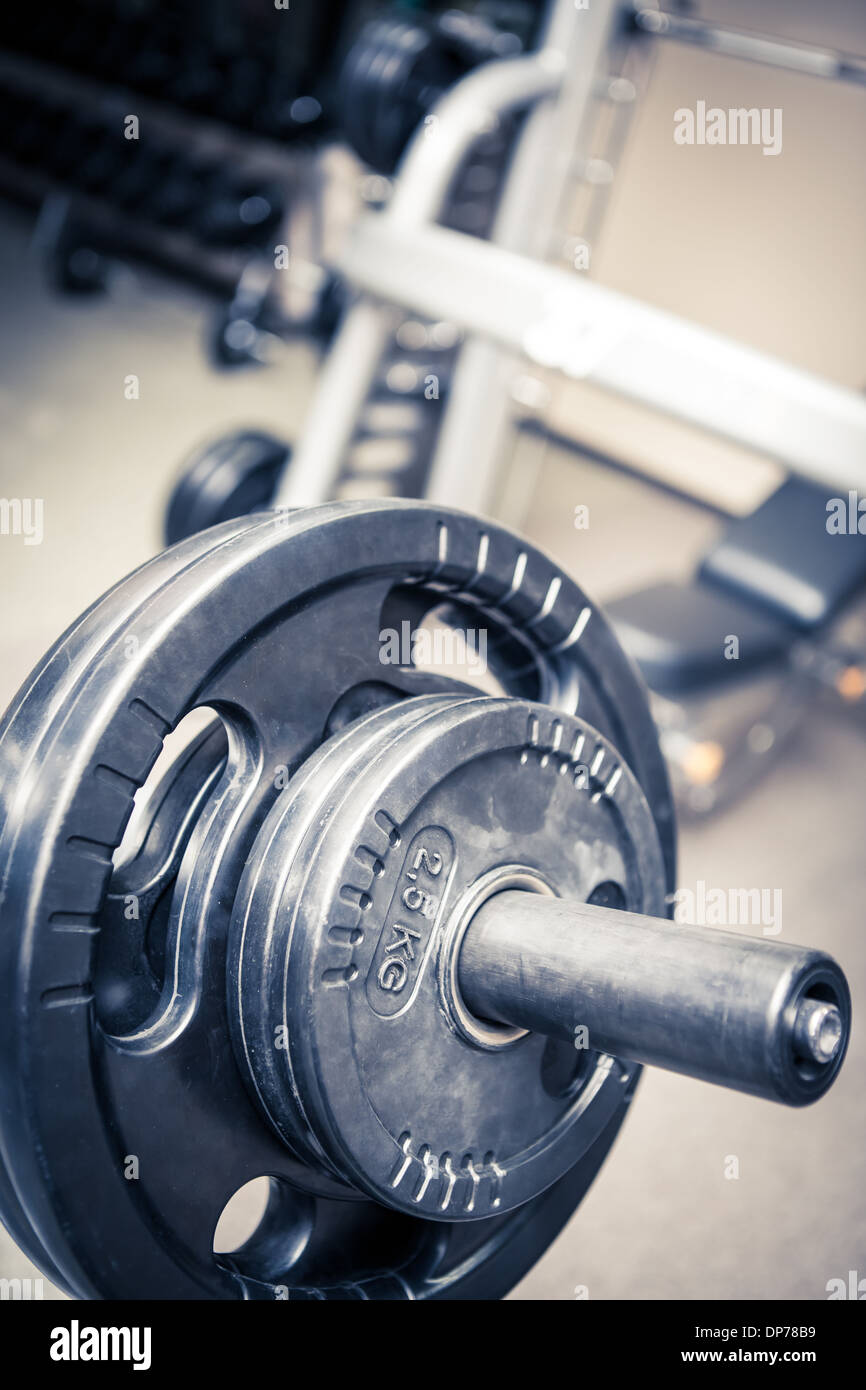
(15, 1215)
(380, 91)
(398, 68)
(230, 477)
(270, 623)
(395, 1088)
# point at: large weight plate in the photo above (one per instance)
(273, 623)
(25, 715)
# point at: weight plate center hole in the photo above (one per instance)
(483, 1033)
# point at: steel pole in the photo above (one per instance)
(753, 1014)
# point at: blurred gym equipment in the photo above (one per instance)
(395, 71)
(512, 304)
(738, 656)
(173, 134)
(487, 118)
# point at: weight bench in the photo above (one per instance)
(760, 608)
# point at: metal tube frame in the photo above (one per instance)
(422, 185)
(753, 48)
(398, 260)
(594, 334)
(480, 410)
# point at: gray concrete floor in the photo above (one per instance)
(662, 1221)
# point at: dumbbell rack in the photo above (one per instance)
(188, 194)
(233, 101)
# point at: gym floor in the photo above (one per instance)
(662, 1220)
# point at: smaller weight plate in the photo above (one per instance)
(228, 478)
(349, 906)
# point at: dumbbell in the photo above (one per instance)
(396, 943)
(198, 82)
(37, 123)
(78, 260)
(140, 180)
(91, 153)
(155, 55)
(176, 200)
(235, 211)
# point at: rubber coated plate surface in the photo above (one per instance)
(349, 917)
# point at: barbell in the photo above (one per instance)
(390, 926)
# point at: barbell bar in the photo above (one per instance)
(751, 1014)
